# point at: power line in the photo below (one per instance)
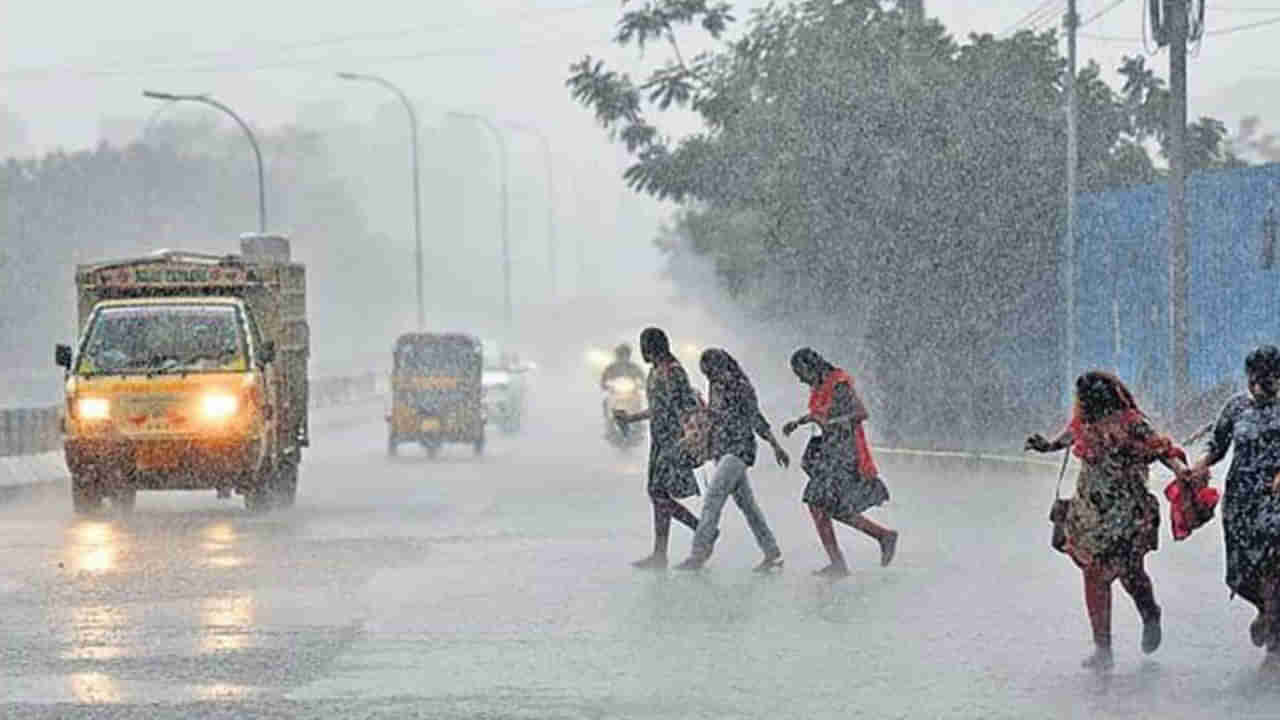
(1242, 28)
(143, 66)
(1036, 15)
(1112, 39)
(1103, 11)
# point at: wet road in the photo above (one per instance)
(501, 588)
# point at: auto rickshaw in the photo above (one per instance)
(436, 392)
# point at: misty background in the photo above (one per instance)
(94, 170)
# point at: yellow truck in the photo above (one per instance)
(190, 374)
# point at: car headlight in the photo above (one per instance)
(93, 408)
(218, 406)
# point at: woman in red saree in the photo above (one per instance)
(843, 479)
(1113, 520)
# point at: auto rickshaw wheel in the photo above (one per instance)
(478, 445)
(432, 448)
(393, 447)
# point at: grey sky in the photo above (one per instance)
(293, 47)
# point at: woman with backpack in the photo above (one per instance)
(1113, 521)
(734, 420)
(843, 479)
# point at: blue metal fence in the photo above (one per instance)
(1123, 278)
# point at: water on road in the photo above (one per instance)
(500, 587)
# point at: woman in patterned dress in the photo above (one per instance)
(1113, 520)
(670, 398)
(843, 479)
(1251, 506)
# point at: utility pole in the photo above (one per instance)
(1071, 22)
(1179, 357)
(913, 9)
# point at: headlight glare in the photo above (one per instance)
(218, 406)
(93, 408)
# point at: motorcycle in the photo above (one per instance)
(623, 394)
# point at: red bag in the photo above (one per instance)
(1189, 508)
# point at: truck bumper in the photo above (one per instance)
(165, 464)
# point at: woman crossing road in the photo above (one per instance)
(843, 479)
(1113, 521)
(735, 420)
(671, 397)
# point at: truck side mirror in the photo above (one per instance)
(62, 356)
(267, 353)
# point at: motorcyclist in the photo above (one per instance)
(621, 367)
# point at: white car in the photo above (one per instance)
(505, 383)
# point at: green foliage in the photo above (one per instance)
(858, 165)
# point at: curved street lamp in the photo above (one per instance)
(253, 141)
(417, 202)
(503, 209)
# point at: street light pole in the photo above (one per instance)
(253, 142)
(417, 199)
(552, 242)
(503, 209)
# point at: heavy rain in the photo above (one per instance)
(639, 359)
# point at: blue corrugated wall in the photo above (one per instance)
(1122, 279)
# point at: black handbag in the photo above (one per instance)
(1058, 510)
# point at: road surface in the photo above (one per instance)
(501, 587)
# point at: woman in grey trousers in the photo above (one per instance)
(735, 421)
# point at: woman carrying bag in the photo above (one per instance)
(1112, 521)
(843, 479)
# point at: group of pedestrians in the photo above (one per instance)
(685, 432)
(1112, 520)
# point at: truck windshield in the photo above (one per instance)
(164, 338)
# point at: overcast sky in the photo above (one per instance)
(65, 63)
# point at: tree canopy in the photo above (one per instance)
(854, 163)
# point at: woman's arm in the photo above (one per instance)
(1039, 443)
(1218, 444)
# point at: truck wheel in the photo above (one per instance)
(257, 500)
(85, 497)
(286, 485)
(124, 500)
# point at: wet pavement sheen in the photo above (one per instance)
(500, 587)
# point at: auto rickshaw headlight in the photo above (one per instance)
(93, 408)
(218, 406)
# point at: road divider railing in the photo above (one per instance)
(37, 430)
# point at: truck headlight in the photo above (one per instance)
(218, 406)
(93, 408)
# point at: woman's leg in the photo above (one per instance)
(1137, 583)
(1270, 586)
(887, 538)
(723, 482)
(1097, 600)
(661, 533)
(746, 501)
(827, 534)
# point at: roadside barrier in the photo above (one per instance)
(36, 430)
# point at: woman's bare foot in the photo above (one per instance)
(833, 571)
(653, 562)
(1101, 660)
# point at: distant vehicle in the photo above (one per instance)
(190, 373)
(626, 394)
(506, 388)
(436, 388)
